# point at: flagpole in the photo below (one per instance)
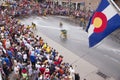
(116, 6)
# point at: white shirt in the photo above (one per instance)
(30, 71)
(7, 44)
(24, 56)
(37, 66)
(40, 78)
(16, 69)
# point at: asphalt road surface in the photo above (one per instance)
(105, 56)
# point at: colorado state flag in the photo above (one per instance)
(103, 22)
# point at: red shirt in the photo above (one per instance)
(42, 70)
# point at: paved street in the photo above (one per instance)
(105, 56)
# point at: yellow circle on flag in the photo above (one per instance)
(97, 22)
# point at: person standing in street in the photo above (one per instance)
(77, 77)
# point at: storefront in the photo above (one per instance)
(79, 4)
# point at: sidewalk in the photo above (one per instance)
(86, 70)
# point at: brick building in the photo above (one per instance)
(80, 4)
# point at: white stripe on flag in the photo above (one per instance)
(90, 30)
(109, 11)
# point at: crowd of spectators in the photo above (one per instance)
(25, 55)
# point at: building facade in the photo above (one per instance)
(80, 4)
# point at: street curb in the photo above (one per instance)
(85, 69)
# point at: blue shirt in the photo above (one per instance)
(32, 58)
(9, 53)
(37, 51)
